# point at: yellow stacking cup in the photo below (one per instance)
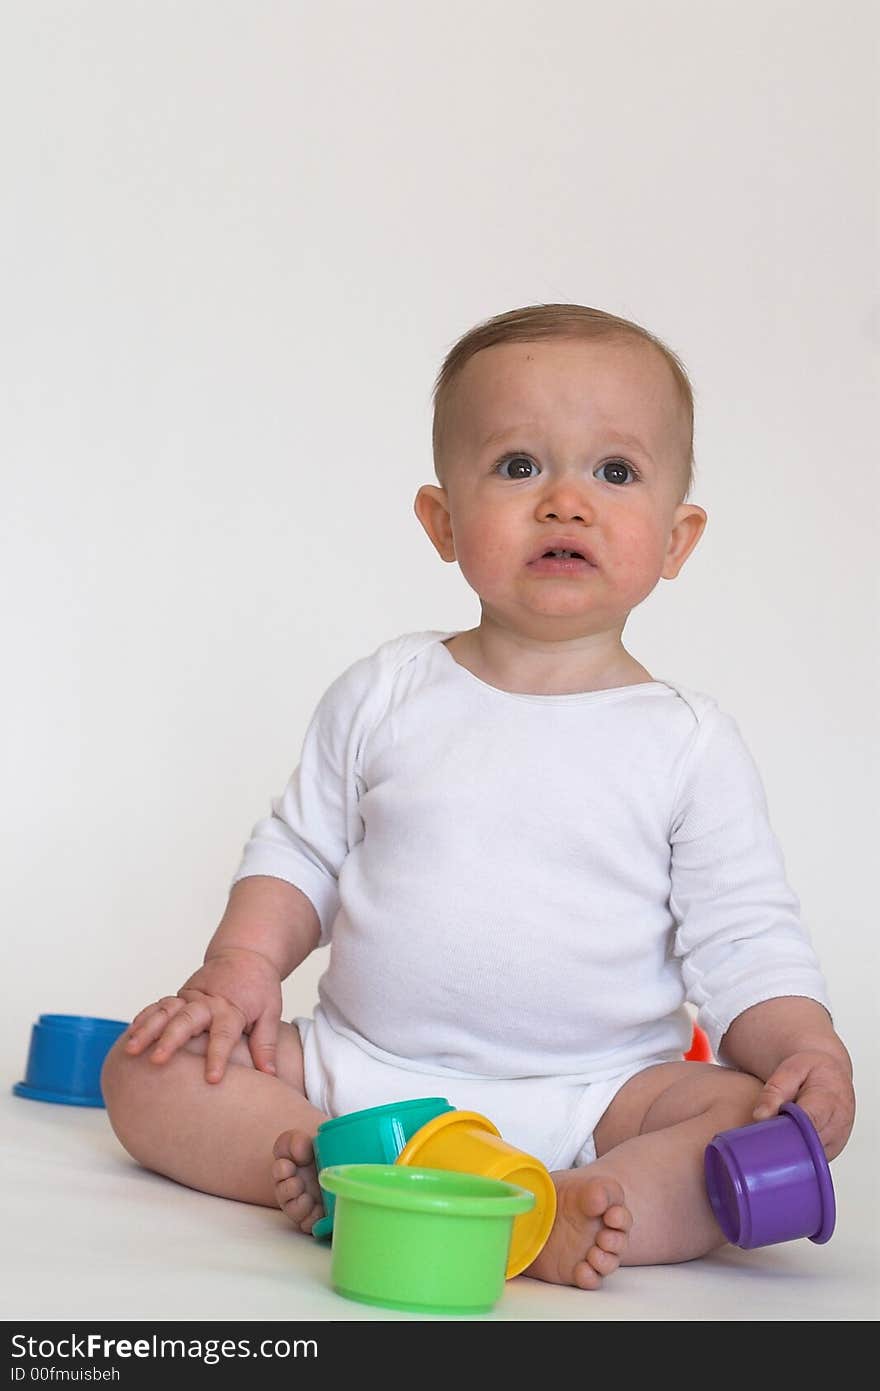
(471, 1144)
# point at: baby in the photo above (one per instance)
(526, 852)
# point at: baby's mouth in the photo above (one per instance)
(560, 562)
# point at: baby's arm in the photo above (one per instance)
(747, 961)
(790, 1043)
(269, 927)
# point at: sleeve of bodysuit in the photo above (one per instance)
(738, 931)
(315, 821)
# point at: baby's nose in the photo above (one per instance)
(566, 502)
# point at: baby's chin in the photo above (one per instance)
(549, 620)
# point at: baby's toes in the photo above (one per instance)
(618, 1217)
(611, 1240)
(308, 1222)
(283, 1169)
(300, 1210)
(289, 1189)
(294, 1201)
(603, 1262)
(295, 1145)
(301, 1181)
(585, 1277)
(281, 1148)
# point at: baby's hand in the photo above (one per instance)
(821, 1085)
(236, 992)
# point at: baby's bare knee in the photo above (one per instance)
(735, 1099)
(135, 1091)
(704, 1089)
(114, 1075)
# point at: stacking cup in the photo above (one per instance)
(770, 1181)
(373, 1136)
(420, 1239)
(469, 1143)
(67, 1052)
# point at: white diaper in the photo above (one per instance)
(551, 1118)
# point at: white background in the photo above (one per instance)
(237, 241)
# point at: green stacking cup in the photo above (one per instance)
(427, 1240)
(372, 1136)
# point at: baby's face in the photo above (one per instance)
(577, 438)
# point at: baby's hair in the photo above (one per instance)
(549, 321)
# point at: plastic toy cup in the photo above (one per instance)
(469, 1143)
(374, 1136)
(65, 1059)
(426, 1240)
(700, 1050)
(770, 1181)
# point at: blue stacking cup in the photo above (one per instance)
(65, 1059)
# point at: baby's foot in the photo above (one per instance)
(296, 1179)
(590, 1231)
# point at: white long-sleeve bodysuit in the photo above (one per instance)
(525, 886)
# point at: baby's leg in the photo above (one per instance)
(643, 1201)
(219, 1136)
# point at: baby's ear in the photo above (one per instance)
(432, 509)
(687, 528)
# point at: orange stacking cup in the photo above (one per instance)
(471, 1144)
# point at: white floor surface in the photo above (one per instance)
(88, 1234)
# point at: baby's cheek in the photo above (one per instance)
(484, 559)
(638, 560)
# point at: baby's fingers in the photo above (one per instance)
(822, 1088)
(149, 1023)
(819, 1104)
(832, 1114)
(783, 1085)
(191, 1018)
(226, 1030)
(263, 1043)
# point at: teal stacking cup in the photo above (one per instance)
(374, 1136)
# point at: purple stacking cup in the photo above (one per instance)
(770, 1181)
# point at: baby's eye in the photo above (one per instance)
(519, 461)
(615, 471)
